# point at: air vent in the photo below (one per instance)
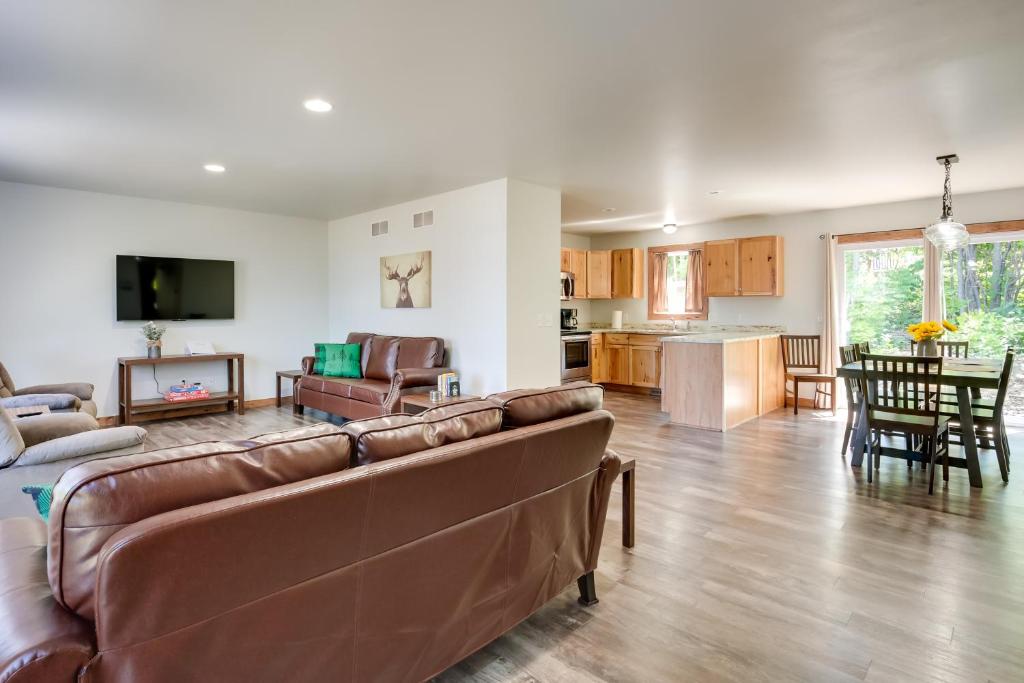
(424, 219)
(379, 228)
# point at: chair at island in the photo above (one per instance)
(801, 358)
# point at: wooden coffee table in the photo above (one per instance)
(417, 403)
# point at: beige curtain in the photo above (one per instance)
(695, 282)
(934, 297)
(830, 321)
(659, 295)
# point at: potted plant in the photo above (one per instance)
(153, 333)
(927, 333)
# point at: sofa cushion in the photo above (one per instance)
(312, 382)
(343, 361)
(365, 390)
(6, 383)
(95, 499)
(392, 436)
(383, 359)
(11, 443)
(525, 407)
(365, 341)
(40, 428)
(420, 352)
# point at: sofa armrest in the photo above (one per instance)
(40, 428)
(41, 641)
(82, 390)
(416, 377)
(607, 472)
(307, 365)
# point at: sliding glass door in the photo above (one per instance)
(881, 292)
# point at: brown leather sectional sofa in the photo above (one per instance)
(385, 550)
(390, 366)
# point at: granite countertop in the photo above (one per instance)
(717, 337)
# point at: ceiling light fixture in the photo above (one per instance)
(714, 192)
(317, 105)
(609, 209)
(947, 234)
(669, 228)
(214, 168)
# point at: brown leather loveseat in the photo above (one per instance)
(386, 550)
(391, 366)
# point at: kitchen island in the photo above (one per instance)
(719, 380)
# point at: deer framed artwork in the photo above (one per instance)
(405, 280)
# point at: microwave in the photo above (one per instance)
(568, 286)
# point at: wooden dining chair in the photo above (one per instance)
(896, 392)
(854, 393)
(947, 349)
(801, 358)
(987, 415)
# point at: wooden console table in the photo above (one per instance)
(156, 408)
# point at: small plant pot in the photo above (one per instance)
(153, 351)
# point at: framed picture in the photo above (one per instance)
(405, 280)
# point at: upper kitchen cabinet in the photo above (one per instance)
(578, 263)
(566, 260)
(627, 273)
(599, 274)
(750, 266)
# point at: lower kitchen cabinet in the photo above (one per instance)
(618, 363)
(626, 359)
(645, 366)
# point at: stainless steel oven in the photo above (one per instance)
(575, 357)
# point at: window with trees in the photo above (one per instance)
(675, 282)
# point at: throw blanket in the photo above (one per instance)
(51, 401)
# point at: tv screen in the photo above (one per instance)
(156, 288)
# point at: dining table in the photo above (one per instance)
(967, 376)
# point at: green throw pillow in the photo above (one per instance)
(341, 360)
(42, 496)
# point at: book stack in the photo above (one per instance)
(187, 392)
(448, 384)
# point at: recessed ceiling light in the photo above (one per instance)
(714, 192)
(318, 105)
(214, 168)
(610, 209)
(669, 228)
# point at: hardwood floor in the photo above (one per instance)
(762, 556)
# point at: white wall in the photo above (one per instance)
(58, 246)
(534, 222)
(801, 308)
(582, 306)
(492, 246)
(469, 259)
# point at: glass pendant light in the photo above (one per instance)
(947, 234)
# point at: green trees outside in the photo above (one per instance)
(884, 293)
(984, 290)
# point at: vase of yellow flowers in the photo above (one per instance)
(926, 335)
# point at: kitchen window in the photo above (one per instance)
(675, 282)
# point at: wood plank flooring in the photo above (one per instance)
(762, 556)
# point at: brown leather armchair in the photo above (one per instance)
(391, 366)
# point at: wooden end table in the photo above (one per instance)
(417, 403)
(627, 469)
(294, 376)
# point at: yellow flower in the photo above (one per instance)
(949, 326)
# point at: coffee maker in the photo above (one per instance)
(569, 320)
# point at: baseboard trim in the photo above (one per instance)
(111, 420)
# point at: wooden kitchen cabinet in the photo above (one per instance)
(645, 366)
(566, 260)
(599, 274)
(749, 266)
(627, 273)
(598, 359)
(617, 358)
(578, 263)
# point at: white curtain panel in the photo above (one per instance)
(934, 297)
(830, 321)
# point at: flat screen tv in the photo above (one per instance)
(157, 288)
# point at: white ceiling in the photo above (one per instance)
(643, 106)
